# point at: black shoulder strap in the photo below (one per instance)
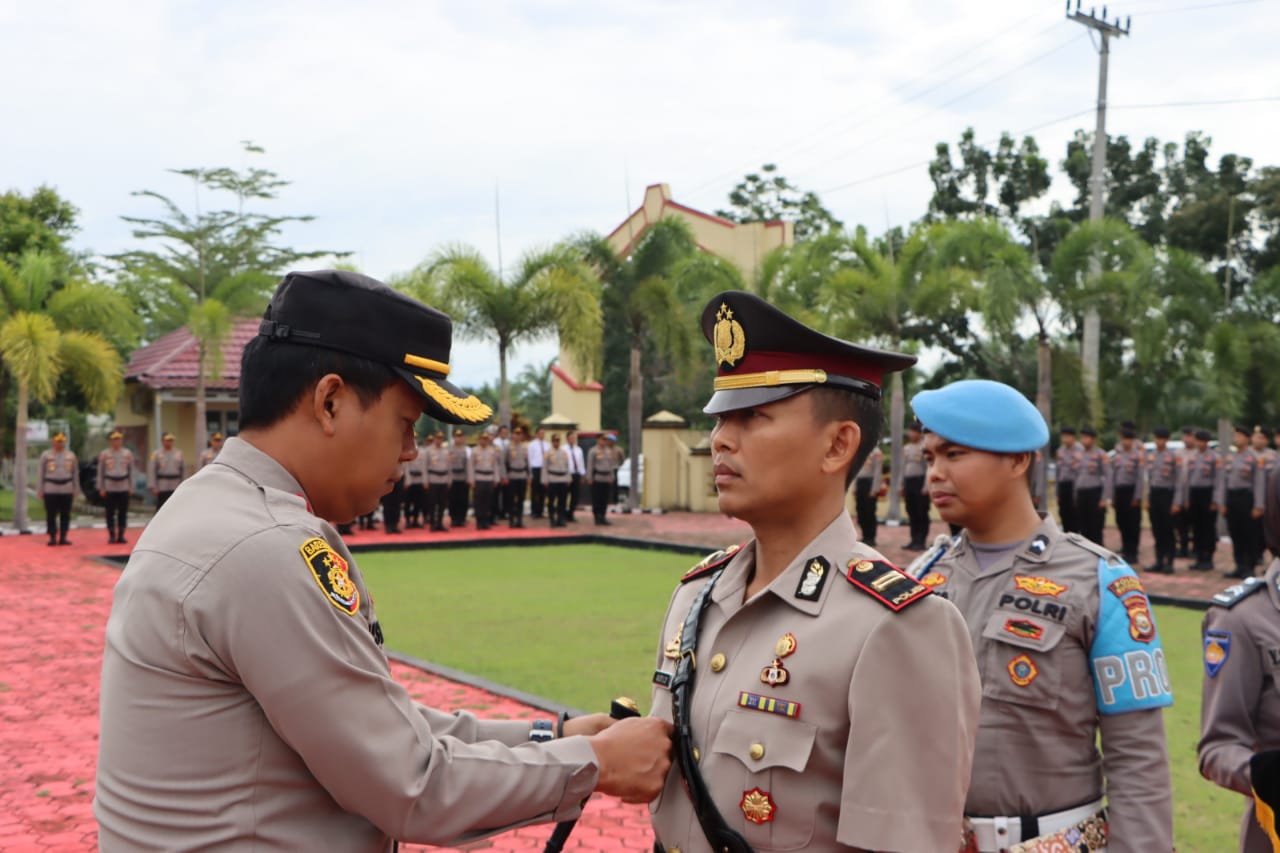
(718, 833)
(1233, 595)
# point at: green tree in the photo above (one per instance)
(552, 291)
(41, 222)
(650, 297)
(985, 183)
(212, 265)
(46, 337)
(767, 196)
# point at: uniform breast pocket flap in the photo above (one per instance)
(764, 741)
(1015, 659)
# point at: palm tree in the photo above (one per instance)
(552, 290)
(48, 333)
(650, 297)
(881, 293)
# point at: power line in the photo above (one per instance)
(1051, 122)
(1157, 10)
(823, 129)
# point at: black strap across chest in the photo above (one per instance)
(718, 833)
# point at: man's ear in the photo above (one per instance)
(843, 440)
(327, 400)
(1022, 463)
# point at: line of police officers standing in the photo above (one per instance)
(1184, 491)
(494, 478)
(58, 480)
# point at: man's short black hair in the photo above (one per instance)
(275, 376)
(837, 404)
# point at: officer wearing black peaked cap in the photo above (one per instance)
(801, 666)
(242, 637)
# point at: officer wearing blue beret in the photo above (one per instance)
(1066, 644)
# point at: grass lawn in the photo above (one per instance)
(578, 624)
(35, 507)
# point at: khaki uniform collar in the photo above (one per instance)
(1037, 549)
(836, 543)
(257, 466)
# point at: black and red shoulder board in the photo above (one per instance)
(710, 563)
(886, 583)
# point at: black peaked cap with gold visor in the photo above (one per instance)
(361, 316)
(762, 356)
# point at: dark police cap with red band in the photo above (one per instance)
(762, 356)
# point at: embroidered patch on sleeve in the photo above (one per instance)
(1217, 647)
(1022, 670)
(330, 573)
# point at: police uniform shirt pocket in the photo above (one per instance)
(776, 802)
(1015, 659)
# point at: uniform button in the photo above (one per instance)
(673, 850)
(757, 751)
(697, 754)
(717, 662)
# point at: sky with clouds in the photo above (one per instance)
(400, 123)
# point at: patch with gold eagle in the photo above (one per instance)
(933, 579)
(886, 583)
(330, 573)
(1038, 585)
(757, 806)
(730, 342)
(710, 563)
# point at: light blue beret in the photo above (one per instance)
(984, 415)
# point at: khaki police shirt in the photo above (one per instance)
(115, 470)
(1240, 708)
(602, 464)
(165, 470)
(58, 472)
(516, 460)
(1243, 470)
(1066, 460)
(459, 457)
(245, 705)
(1204, 471)
(1090, 469)
(878, 756)
(873, 467)
(1125, 471)
(437, 466)
(555, 466)
(913, 461)
(485, 465)
(1162, 471)
(1037, 742)
(416, 471)
(206, 456)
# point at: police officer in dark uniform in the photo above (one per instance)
(1241, 498)
(1204, 473)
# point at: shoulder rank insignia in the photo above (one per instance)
(885, 583)
(330, 573)
(711, 562)
(1233, 595)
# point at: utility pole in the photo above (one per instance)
(1097, 187)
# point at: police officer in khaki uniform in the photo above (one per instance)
(438, 480)
(211, 452)
(246, 701)
(866, 494)
(602, 468)
(826, 700)
(1240, 708)
(57, 487)
(913, 490)
(556, 477)
(1161, 476)
(1203, 475)
(1124, 490)
(1240, 496)
(459, 491)
(1065, 462)
(485, 475)
(165, 470)
(115, 485)
(1091, 480)
(415, 489)
(516, 462)
(1065, 642)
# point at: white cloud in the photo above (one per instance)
(395, 121)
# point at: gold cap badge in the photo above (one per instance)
(730, 340)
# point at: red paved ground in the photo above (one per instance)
(51, 641)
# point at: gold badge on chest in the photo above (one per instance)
(776, 673)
